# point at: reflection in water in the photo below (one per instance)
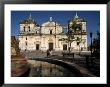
(44, 69)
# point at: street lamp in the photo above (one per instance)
(91, 45)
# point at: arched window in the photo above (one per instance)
(26, 38)
(29, 28)
(50, 31)
(78, 38)
(24, 28)
(77, 43)
(26, 43)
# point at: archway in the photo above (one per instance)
(51, 46)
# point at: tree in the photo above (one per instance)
(73, 29)
(96, 45)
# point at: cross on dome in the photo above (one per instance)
(76, 16)
(30, 16)
(50, 18)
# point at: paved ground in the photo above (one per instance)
(58, 55)
(80, 60)
(39, 54)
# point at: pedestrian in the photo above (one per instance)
(48, 53)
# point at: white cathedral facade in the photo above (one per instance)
(46, 36)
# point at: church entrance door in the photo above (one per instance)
(51, 46)
(37, 46)
(64, 46)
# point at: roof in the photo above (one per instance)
(76, 18)
(50, 23)
(28, 21)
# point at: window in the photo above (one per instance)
(36, 32)
(26, 38)
(77, 43)
(29, 28)
(77, 38)
(26, 43)
(64, 46)
(24, 28)
(50, 31)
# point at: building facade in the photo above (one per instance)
(33, 36)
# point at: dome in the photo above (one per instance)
(50, 23)
(51, 27)
(28, 21)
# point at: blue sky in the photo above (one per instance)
(61, 17)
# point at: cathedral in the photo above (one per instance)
(33, 36)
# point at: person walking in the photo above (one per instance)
(48, 53)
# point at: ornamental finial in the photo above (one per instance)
(50, 18)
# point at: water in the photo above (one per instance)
(45, 69)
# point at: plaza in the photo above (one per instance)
(67, 43)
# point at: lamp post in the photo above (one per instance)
(91, 46)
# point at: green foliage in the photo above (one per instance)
(96, 46)
(76, 27)
(72, 29)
